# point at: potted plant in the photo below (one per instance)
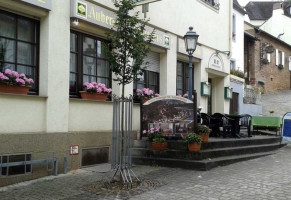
(15, 83)
(146, 93)
(159, 143)
(272, 112)
(194, 142)
(204, 132)
(155, 136)
(265, 61)
(95, 91)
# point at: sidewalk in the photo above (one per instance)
(263, 178)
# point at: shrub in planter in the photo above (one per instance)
(95, 91)
(265, 61)
(13, 82)
(194, 141)
(204, 132)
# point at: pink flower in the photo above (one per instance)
(158, 129)
(3, 77)
(21, 81)
(22, 75)
(179, 95)
(85, 84)
(157, 95)
(138, 91)
(30, 81)
(109, 90)
(15, 74)
(144, 132)
(99, 90)
(90, 86)
(8, 71)
(185, 95)
(152, 131)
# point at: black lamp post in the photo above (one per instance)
(190, 43)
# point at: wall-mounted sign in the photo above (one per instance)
(216, 62)
(140, 2)
(74, 149)
(100, 16)
(46, 4)
(182, 49)
(205, 89)
(228, 93)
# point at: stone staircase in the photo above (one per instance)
(217, 152)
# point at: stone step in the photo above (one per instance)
(204, 154)
(214, 142)
(204, 165)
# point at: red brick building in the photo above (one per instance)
(267, 61)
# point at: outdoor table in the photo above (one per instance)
(265, 121)
(235, 130)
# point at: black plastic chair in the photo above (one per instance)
(211, 123)
(245, 122)
(225, 122)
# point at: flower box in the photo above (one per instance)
(14, 83)
(204, 137)
(14, 89)
(93, 96)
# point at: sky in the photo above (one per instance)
(245, 2)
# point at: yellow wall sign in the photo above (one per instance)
(100, 16)
(46, 4)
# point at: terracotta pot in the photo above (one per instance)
(145, 99)
(194, 147)
(159, 146)
(204, 136)
(14, 89)
(94, 96)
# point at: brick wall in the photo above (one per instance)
(274, 78)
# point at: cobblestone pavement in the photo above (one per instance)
(263, 178)
(279, 102)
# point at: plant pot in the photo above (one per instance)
(204, 137)
(14, 89)
(159, 146)
(145, 99)
(194, 147)
(94, 96)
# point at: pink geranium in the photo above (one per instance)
(10, 77)
(146, 92)
(96, 88)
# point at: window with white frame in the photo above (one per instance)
(213, 3)
(280, 58)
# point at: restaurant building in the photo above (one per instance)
(59, 46)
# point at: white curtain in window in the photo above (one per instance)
(269, 57)
(283, 59)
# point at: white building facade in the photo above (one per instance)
(61, 55)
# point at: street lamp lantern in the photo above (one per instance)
(191, 38)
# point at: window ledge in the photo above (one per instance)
(97, 101)
(214, 8)
(23, 95)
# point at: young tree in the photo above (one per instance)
(129, 44)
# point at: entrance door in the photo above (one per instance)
(209, 104)
(234, 104)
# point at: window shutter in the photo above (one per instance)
(153, 60)
(277, 57)
(269, 57)
(283, 59)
